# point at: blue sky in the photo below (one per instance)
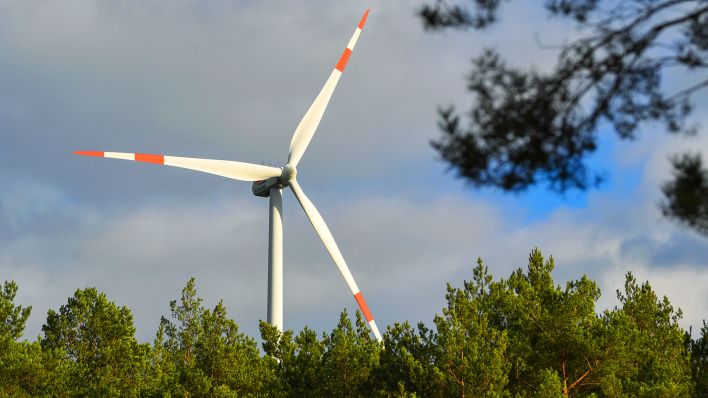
(231, 80)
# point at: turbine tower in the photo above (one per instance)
(269, 182)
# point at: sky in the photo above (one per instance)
(231, 80)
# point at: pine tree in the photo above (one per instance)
(649, 344)
(95, 341)
(699, 362)
(407, 364)
(21, 370)
(203, 354)
(555, 336)
(350, 356)
(469, 350)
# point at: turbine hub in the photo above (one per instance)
(289, 173)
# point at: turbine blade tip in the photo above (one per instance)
(363, 19)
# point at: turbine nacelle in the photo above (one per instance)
(262, 188)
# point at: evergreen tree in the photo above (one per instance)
(340, 365)
(21, 370)
(407, 364)
(469, 350)
(95, 341)
(203, 354)
(650, 344)
(555, 336)
(699, 361)
(12, 317)
(350, 356)
(520, 337)
(297, 363)
(307, 364)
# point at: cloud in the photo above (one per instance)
(231, 80)
(401, 251)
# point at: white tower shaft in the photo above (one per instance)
(275, 259)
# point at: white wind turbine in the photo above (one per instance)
(269, 182)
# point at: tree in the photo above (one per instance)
(21, 370)
(556, 344)
(12, 317)
(650, 356)
(96, 342)
(560, 346)
(685, 196)
(699, 361)
(407, 364)
(340, 365)
(349, 358)
(469, 350)
(203, 353)
(529, 127)
(297, 363)
(523, 337)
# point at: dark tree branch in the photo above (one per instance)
(528, 128)
(685, 196)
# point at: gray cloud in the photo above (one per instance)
(402, 252)
(231, 80)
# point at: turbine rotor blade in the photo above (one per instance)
(326, 236)
(308, 125)
(225, 168)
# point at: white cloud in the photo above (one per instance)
(401, 251)
(232, 80)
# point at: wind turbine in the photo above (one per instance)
(269, 182)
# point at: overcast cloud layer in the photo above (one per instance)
(231, 80)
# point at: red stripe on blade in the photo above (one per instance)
(364, 308)
(146, 157)
(343, 60)
(363, 20)
(89, 153)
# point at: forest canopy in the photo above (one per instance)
(523, 336)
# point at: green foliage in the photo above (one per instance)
(12, 317)
(536, 313)
(202, 353)
(699, 361)
(407, 364)
(550, 385)
(337, 366)
(524, 336)
(297, 363)
(21, 372)
(95, 341)
(350, 355)
(468, 350)
(650, 344)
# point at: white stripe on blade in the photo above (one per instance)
(354, 38)
(119, 155)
